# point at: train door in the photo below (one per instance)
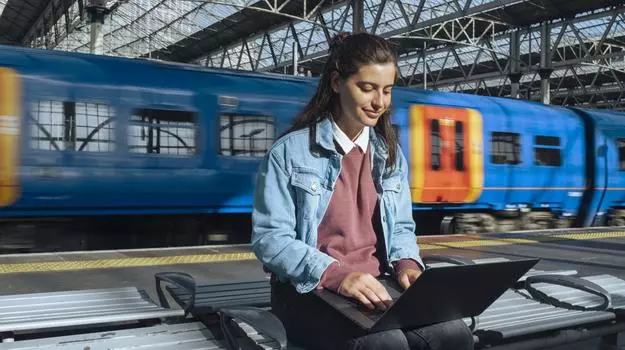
(446, 154)
(10, 119)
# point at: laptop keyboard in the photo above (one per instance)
(374, 314)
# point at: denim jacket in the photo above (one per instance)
(293, 190)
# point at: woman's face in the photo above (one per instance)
(365, 95)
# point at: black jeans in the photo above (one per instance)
(312, 324)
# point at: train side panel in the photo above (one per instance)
(111, 142)
(549, 149)
(532, 159)
(607, 206)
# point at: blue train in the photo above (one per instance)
(96, 136)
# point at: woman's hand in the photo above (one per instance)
(366, 289)
(407, 277)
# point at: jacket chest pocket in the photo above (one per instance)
(391, 188)
(308, 188)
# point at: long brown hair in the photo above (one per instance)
(347, 54)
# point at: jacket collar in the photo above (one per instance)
(325, 138)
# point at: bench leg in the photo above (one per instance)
(7, 337)
(609, 342)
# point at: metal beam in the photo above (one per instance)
(358, 16)
(414, 26)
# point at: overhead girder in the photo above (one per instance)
(140, 27)
(466, 50)
(589, 44)
(57, 19)
(388, 18)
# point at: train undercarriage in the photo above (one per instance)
(31, 235)
(506, 221)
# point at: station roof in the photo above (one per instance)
(18, 16)
(467, 42)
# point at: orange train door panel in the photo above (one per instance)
(10, 102)
(446, 159)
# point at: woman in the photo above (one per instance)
(331, 195)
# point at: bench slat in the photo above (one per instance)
(39, 311)
(614, 286)
(222, 287)
(515, 315)
(10, 300)
(204, 299)
(185, 336)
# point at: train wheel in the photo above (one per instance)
(616, 217)
(538, 221)
(475, 223)
(448, 226)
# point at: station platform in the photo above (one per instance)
(589, 251)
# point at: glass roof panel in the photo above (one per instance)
(163, 21)
(141, 26)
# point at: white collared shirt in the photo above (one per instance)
(346, 143)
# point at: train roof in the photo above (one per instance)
(472, 101)
(65, 62)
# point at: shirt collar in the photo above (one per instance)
(344, 141)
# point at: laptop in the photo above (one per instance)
(438, 295)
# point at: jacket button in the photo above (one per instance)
(313, 187)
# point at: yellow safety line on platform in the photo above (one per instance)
(591, 235)
(427, 246)
(51, 266)
(582, 236)
(483, 243)
(125, 262)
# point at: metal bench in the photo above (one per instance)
(227, 299)
(516, 319)
(552, 310)
(183, 336)
(210, 298)
(41, 312)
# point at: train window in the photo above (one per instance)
(47, 122)
(505, 148)
(94, 131)
(621, 153)
(547, 140)
(436, 144)
(66, 125)
(246, 135)
(459, 146)
(549, 153)
(159, 131)
(547, 156)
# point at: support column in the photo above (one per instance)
(425, 66)
(545, 69)
(358, 16)
(514, 84)
(515, 63)
(295, 58)
(96, 9)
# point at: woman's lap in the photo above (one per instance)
(311, 323)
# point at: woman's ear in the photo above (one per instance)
(335, 81)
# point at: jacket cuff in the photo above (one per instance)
(333, 277)
(404, 264)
